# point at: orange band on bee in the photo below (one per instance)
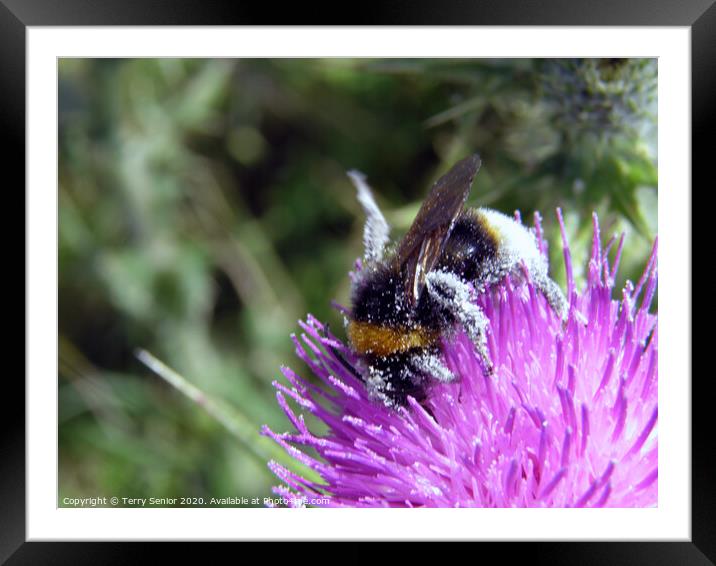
(377, 340)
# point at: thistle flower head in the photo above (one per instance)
(568, 419)
(600, 96)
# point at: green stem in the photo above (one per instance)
(261, 447)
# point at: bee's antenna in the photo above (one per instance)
(352, 370)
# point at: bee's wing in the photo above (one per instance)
(421, 247)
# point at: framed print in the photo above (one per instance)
(517, 187)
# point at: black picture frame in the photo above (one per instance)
(17, 15)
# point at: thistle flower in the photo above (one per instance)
(568, 419)
(601, 97)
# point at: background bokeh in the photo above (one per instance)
(204, 209)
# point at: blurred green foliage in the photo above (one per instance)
(204, 208)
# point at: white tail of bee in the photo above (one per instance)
(377, 231)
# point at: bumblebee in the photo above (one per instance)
(407, 297)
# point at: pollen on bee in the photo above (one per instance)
(380, 340)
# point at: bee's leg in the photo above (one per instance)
(454, 295)
(430, 363)
(376, 231)
(378, 385)
(552, 292)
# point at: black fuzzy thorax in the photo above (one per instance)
(469, 248)
(379, 297)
